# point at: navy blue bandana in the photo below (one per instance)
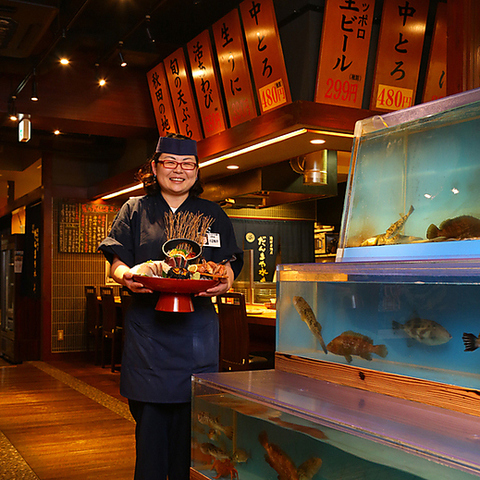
(177, 146)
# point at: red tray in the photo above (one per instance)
(175, 294)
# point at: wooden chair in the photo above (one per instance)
(110, 325)
(92, 321)
(235, 354)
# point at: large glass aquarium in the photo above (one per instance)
(264, 425)
(416, 319)
(413, 185)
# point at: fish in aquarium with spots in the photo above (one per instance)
(351, 343)
(464, 226)
(283, 464)
(471, 342)
(240, 456)
(307, 315)
(214, 451)
(216, 428)
(423, 330)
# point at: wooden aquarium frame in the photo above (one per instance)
(437, 394)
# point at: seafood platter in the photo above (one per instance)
(272, 424)
(181, 274)
(413, 191)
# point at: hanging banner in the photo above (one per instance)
(232, 60)
(206, 83)
(266, 55)
(399, 53)
(264, 245)
(161, 101)
(342, 65)
(182, 95)
(436, 78)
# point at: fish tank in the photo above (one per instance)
(410, 318)
(413, 183)
(270, 424)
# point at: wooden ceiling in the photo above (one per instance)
(89, 32)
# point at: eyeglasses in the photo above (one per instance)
(172, 164)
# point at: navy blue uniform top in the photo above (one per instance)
(162, 349)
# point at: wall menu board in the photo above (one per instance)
(82, 226)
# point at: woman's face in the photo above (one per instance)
(175, 181)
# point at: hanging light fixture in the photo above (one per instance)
(34, 97)
(63, 57)
(123, 63)
(12, 109)
(147, 28)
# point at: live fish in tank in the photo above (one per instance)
(471, 342)
(240, 456)
(214, 424)
(283, 464)
(352, 343)
(309, 468)
(464, 226)
(424, 331)
(216, 452)
(312, 431)
(392, 235)
(307, 315)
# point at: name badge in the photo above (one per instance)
(213, 240)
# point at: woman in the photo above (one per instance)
(162, 350)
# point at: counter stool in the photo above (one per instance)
(110, 326)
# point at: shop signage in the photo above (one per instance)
(182, 95)
(342, 66)
(399, 53)
(161, 100)
(234, 71)
(207, 85)
(436, 78)
(263, 246)
(82, 226)
(266, 55)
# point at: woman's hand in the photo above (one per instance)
(223, 286)
(132, 285)
(122, 274)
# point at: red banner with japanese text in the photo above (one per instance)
(266, 55)
(206, 83)
(342, 66)
(161, 100)
(232, 60)
(399, 53)
(182, 95)
(436, 78)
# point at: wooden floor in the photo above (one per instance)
(64, 421)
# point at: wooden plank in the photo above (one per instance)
(61, 433)
(437, 394)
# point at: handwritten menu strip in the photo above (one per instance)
(82, 226)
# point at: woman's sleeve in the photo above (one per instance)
(120, 238)
(229, 243)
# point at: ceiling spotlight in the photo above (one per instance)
(147, 28)
(100, 78)
(34, 97)
(64, 61)
(123, 63)
(57, 132)
(317, 141)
